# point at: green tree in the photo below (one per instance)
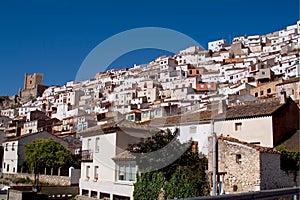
(148, 186)
(289, 160)
(193, 182)
(181, 185)
(48, 153)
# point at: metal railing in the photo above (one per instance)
(260, 195)
(86, 155)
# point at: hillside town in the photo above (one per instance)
(246, 91)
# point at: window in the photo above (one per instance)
(130, 117)
(104, 196)
(263, 73)
(97, 147)
(13, 146)
(235, 188)
(269, 90)
(89, 144)
(96, 176)
(256, 94)
(127, 171)
(6, 147)
(87, 172)
(238, 158)
(238, 126)
(261, 92)
(193, 129)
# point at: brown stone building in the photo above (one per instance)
(245, 167)
(265, 90)
(33, 87)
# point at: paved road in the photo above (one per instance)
(3, 197)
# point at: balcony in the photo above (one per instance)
(86, 156)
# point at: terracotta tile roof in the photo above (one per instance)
(252, 109)
(246, 110)
(124, 156)
(177, 119)
(297, 79)
(114, 126)
(254, 146)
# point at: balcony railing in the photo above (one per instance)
(86, 156)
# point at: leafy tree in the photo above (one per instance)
(289, 160)
(48, 153)
(148, 186)
(193, 180)
(180, 185)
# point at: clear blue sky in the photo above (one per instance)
(54, 36)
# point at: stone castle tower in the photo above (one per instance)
(32, 81)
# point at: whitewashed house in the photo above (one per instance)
(265, 123)
(14, 155)
(107, 169)
(217, 45)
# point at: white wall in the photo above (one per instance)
(106, 182)
(10, 157)
(198, 132)
(258, 129)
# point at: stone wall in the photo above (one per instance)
(245, 168)
(240, 163)
(55, 180)
(272, 176)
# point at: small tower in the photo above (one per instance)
(31, 81)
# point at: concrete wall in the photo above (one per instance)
(257, 129)
(194, 132)
(272, 176)
(286, 121)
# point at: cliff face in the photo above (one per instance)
(7, 102)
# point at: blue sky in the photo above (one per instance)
(54, 36)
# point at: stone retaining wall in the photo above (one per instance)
(55, 180)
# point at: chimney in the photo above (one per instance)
(222, 106)
(283, 97)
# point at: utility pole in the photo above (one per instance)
(214, 159)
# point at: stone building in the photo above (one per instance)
(33, 87)
(244, 167)
(31, 81)
(265, 90)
